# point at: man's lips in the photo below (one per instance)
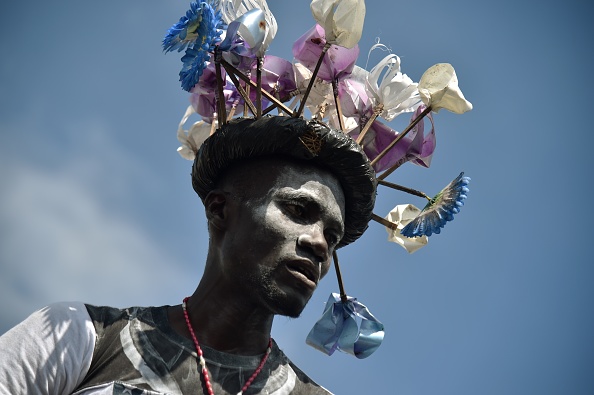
(305, 270)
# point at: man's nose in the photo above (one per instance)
(313, 238)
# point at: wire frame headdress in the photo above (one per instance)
(229, 75)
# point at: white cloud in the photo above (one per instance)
(62, 238)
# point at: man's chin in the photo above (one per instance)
(294, 313)
(291, 310)
(291, 304)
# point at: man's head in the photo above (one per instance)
(274, 225)
(293, 139)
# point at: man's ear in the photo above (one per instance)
(215, 205)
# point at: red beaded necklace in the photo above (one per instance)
(203, 362)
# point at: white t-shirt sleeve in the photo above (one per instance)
(48, 353)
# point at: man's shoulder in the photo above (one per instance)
(109, 314)
(304, 384)
(108, 319)
(52, 348)
(55, 320)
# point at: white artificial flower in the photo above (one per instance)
(350, 125)
(233, 9)
(439, 89)
(320, 97)
(342, 20)
(193, 138)
(389, 88)
(401, 215)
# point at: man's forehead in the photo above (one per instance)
(299, 172)
(283, 172)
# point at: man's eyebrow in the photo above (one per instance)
(297, 195)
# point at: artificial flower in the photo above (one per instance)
(423, 145)
(336, 64)
(233, 9)
(199, 30)
(415, 146)
(440, 209)
(348, 123)
(342, 20)
(376, 140)
(439, 89)
(204, 93)
(320, 97)
(240, 57)
(246, 34)
(353, 95)
(193, 138)
(391, 90)
(401, 215)
(346, 326)
(278, 76)
(190, 26)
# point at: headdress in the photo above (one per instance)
(235, 85)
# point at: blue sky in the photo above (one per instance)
(96, 205)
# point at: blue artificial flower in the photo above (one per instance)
(439, 210)
(198, 31)
(347, 326)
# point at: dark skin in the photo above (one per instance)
(271, 241)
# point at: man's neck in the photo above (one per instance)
(223, 319)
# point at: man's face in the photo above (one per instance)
(281, 236)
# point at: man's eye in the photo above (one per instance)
(332, 239)
(296, 209)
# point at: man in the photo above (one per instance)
(280, 195)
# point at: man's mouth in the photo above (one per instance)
(305, 270)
